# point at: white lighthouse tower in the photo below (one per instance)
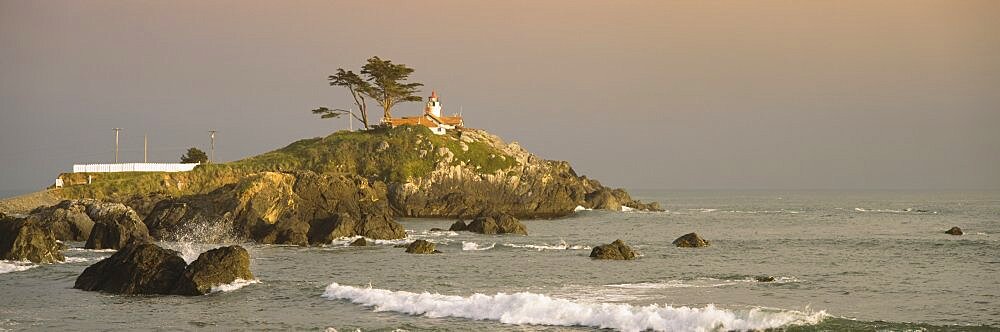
(433, 105)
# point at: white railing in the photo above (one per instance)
(133, 167)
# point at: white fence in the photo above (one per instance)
(133, 167)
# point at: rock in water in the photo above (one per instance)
(212, 268)
(360, 242)
(117, 232)
(22, 239)
(145, 268)
(421, 247)
(617, 250)
(458, 226)
(764, 278)
(690, 240)
(497, 224)
(135, 269)
(954, 231)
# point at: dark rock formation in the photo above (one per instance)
(117, 229)
(135, 269)
(360, 242)
(421, 247)
(77, 220)
(212, 268)
(285, 208)
(68, 219)
(617, 250)
(954, 231)
(143, 204)
(145, 268)
(497, 224)
(690, 240)
(458, 226)
(22, 239)
(764, 278)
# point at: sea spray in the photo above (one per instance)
(7, 266)
(538, 309)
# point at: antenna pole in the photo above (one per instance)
(145, 148)
(116, 143)
(211, 133)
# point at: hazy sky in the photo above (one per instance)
(652, 94)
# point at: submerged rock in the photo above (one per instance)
(954, 231)
(360, 242)
(22, 239)
(212, 268)
(764, 278)
(135, 269)
(421, 247)
(458, 226)
(690, 240)
(145, 268)
(497, 224)
(616, 250)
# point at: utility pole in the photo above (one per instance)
(350, 119)
(145, 148)
(211, 158)
(116, 143)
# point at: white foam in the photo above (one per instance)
(83, 259)
(475, 246)
(346, 241)
(236, 284)
(538, 309)
(581, 208)
(93, 250)
(545, 246)
(7, 266)
(627, 209)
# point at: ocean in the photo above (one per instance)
(858, 261)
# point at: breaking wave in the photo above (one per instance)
(538, 309)
(236, 284)
(545, 246)
(475, 246)
(15, 266)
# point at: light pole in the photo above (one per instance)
(211, 158)
(116, 143)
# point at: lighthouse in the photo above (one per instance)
(433, 105)
(431, 118)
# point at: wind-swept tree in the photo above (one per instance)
(326, 113)
(356, 85)
(386, 84)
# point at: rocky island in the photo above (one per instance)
(349, 183)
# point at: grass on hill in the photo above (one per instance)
(390, 155)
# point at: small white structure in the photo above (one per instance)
(431, 118)
(133, 167)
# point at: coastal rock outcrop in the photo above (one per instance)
(616, 250)
(458, 226)
(212, 268)
(145, 268)
(522, 185)
(690, 240)
(22, 239)
(421, 247)
(954, 231)
(285, 208)
(135, 269)
(360, 242)
(497, 224)
(76, 220)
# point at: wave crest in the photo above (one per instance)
(538, 309)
